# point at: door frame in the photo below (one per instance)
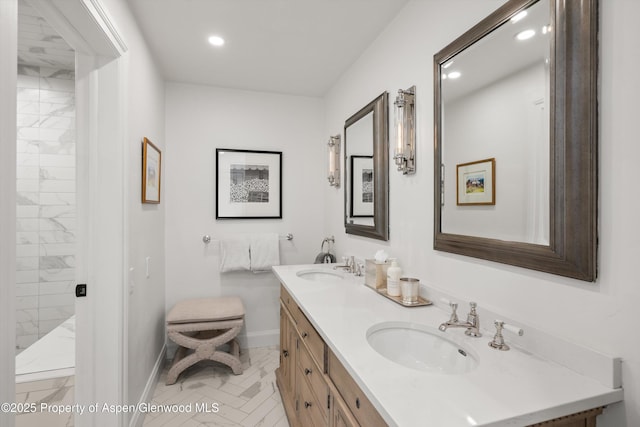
(101, 65)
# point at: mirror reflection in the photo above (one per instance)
(360, 191)
(495, 98)
(366, 160)
(515, 120)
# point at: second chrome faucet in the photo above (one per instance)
(472, 324)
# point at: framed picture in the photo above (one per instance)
(361, 186)
(248, 184)
(476, 183)
(151, 167)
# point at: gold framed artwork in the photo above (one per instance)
(151, 167)
(476, 182)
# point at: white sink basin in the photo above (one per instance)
(420, 347)
(320, 275)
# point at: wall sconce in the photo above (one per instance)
(405, 151)
(334, 160)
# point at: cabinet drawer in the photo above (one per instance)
(312, 339)
(309, 369)
(288, 302)
(310, 410)
(360, 406)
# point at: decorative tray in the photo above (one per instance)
(421, 301)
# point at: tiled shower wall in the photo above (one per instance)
(46, 201)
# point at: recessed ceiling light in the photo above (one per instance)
(216, 40)
(454, 74)
(518, 16)
(526, 34)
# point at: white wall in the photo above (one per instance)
(600, 315)
(201, 119)
(496, 122)
(8, 88)
(143, 110)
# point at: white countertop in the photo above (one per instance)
(508, 388)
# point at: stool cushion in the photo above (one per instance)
(206, 310)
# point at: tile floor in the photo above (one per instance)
(53, 392)
(207, 394)
(212, 395)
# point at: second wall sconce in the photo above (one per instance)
(334, 160)
(405, 127)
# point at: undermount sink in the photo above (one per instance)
(420, 347)
(320, 275)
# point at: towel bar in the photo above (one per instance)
(207, 239)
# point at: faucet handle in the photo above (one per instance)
(498, 340)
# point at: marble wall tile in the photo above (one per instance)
(27, 263)
(27, 250)
(24, 341)
(56, 300)
(27, 159)
(65, 211)
(27, 185)
(28, 120)
(57, 249)
(28, 172)
(57, 84)
(28, 70)
(57, 199)
(27, 224)
(48, 288)
(56, 186)
(57, 236)
(28, 107)
(56, 262)
(45, 268)
(27, 276)
(57, 275)
(53, 172)
(27, 302)
(57, 160)
(51, 109)
(27, 289)
(27, 198)
(57, 224)
(26, 81)
(27, 237)
(57, 73)
(55, 96)
(25, 211)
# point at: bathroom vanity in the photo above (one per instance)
(331, 375)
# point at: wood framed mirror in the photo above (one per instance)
(366, 160)
(541, 133)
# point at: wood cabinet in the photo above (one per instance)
(317, 390)
(309, 395)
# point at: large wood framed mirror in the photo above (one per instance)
(516, 138)
(366, 160)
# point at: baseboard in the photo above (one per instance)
(137, 418)
(260, 339)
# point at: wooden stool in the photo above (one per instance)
(203, 325)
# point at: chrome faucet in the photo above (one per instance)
(349, 264)
(472, 324)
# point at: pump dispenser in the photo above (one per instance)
(393, 279)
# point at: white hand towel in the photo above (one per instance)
(265, 251)
(234, 254)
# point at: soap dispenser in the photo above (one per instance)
(393, 279)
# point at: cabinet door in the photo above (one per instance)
(287, 352)
(340, 414)
(308, 407)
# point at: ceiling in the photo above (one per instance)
(298, 47)
(38, 43)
